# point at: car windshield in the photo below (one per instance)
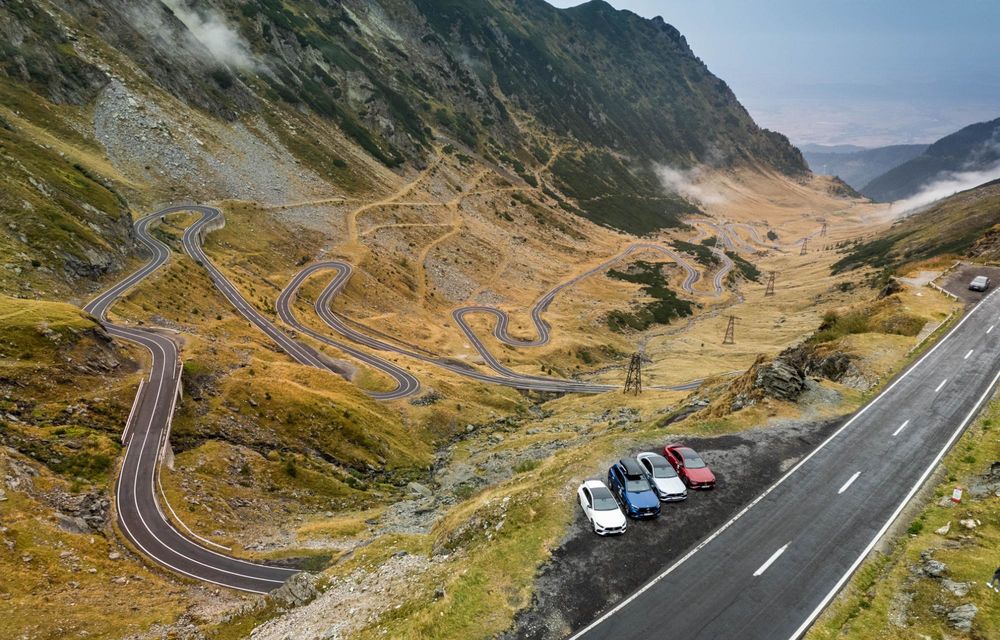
(691, 459)
(636, 484)
(663, 470)
(603, 500)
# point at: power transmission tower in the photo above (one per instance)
(769, 289)
(822, 230)
(730, 331)
(805, 246)
(633, 380)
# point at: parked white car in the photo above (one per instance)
(669, 487)
(601, 508)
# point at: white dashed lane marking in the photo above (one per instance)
(849, 482)
(770, 560)
(941, 385)
(901, 427)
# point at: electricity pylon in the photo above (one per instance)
(730, 337)
(633, 380)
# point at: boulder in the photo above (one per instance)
(418, 489)
(961, 617)
(72, 524)
(943, 531)
(959, 589)
(298, 590)
(780, 379)
(934, 568)
(891, 288)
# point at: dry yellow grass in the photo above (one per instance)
(59, 584)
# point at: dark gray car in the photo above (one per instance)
(979, 283)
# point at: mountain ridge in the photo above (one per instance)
(857, 166)
(970, 149)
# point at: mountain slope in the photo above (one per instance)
(858, 167)
(961, 224)
(495, 76)
(972, 149)
(610, 78)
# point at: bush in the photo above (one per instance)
(526, 465)
(835, 326)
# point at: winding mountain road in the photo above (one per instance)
(507, 377)
(406, 383)
(139, 515)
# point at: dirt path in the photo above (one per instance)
(455, 222)
(352, 217)
(587, 574)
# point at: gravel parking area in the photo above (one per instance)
(588, 574)
(957, 282)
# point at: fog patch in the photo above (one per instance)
(982, 166)
(689, 184)
(211, 29)
(944, 185)
(206, 33)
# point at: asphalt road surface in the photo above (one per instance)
(140, 518)
(768, 572)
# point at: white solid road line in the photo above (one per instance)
(849, 482)
(770, 561)
(715, 534)
(991, 328)
(901, 427)
(968, 354)
(902, 505)
(941, 385)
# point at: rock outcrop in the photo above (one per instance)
(298, 590)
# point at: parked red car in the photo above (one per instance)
(689, 466)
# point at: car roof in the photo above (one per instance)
(593, 484)
(979, 278)
(653, 456)
(630, 466)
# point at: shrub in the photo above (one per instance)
(526, 465)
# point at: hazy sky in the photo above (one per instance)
(868, 72)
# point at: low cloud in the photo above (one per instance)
(207, 33)
(944, 185)
(211, 29)
(948, 183)
(690, 184)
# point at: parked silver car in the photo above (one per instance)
(979, 283)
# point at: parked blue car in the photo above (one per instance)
(629, 484)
